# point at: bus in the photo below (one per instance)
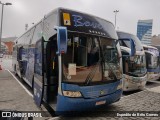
(152, 62)
(134, 65)
(71, 60)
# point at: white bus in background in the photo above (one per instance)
(134, 65)
(152, 62)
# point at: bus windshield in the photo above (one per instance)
(152, 61)
(136, 65)
(90, 60)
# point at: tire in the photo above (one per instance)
(33, 83)
(15, 70)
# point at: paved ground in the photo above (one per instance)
(13, 96)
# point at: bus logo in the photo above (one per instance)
(79, 21)
(66, 18)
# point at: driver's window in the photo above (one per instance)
(110, 51)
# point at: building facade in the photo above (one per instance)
(144, 31)
(155, 40)
(7, 45)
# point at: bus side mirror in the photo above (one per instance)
(133, 47)
(61, 40)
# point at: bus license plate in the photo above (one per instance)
(100, 102)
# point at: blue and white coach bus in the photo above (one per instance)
(72, 60)
(134, 65)
(152, 62)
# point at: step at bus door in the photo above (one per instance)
(38, 85)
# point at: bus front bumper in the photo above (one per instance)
(66, 105)
(153, 76)
(130, 86)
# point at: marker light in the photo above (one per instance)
(72, 93)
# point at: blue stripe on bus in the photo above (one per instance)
(153, 70)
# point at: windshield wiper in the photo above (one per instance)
(110, 68)
(92, 73)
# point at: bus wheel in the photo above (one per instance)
(15, 71)
(33, 83)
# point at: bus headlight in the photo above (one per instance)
(119, 86)
(72, 93)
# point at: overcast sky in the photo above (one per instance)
(32, 11)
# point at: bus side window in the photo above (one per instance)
(19, 53)
(38, 58)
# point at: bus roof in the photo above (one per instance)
(149, 46)
(75, 22)
(86, 23)
(124, 35)
(151, 49)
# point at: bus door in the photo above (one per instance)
(45, 73)
(51, 65)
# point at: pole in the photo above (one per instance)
(2, 22)
(115, 18)
(1, 26)
(116, 11)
